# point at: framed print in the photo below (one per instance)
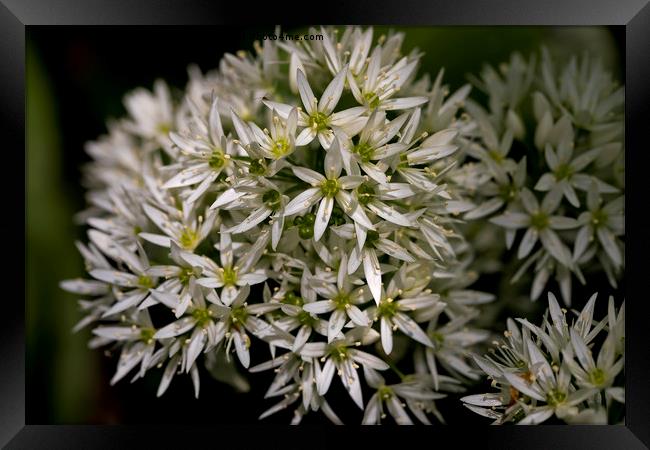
(385, 215)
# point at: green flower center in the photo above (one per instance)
(145, 281)
(507, 192)
(372, 99)
(342, 300)
(306, 319)
(229, 276)
(164, 127)
(257, 167)
(597, 377)
(438, 338)
(365, 193)
(272, 199)
(329, 188)
(202, 316)
(496, 156)
(598, 218)
(385, 392)
(539, 220)
(217, 159)
(387, 308)
(188, 238)
(319, 121)
(338, 352)
(146, 335)
(185, 275)
(238, 315)
(563, 171)
(280, 148)
(364, 150)
(555, 397)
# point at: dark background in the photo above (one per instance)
(76, 79)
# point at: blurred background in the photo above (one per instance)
(76, 79)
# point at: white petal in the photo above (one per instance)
(305, 136)
(324, 378)
(335, 324)
(394, 250)
(606, 238)
(301, 338)
(197, 342)
(403, 103)
(323, 217)
(319, 307)
(117, 333)
(372, 272)
(353, 209)
(537, 417)
(386, 335)
(366, 359)
(344, 117)
(484, 399)
(158, 239)
(255, 217)
(357, 316)
(303, 201)
(555, 247)
(189, 176)
(241, 349)
(527, 242)
(397, 411)
(410, 328)
(175, 328)
(388, 213)
(350, 379)
(511, 220)
(523, 387)
(332, 93)
(308, 175)
(170, 371)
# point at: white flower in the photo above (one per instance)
(207, 154)
(565, 174)
(318, 116)
(287, 187)
(540, 223)
(152, 115)
(341, 301)
(339, 357)
(186, 231)
(604, 222)
(328, 189)
(414, 391)
(230, 275)
(380, 83)
(539, 379)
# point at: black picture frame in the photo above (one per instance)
(16, 15)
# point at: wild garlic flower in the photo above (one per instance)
(576, 135)
(548, 370)
(310, 198)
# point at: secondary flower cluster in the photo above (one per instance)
(547, 158)
(550, 369)
(295, 200)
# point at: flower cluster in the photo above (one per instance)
(550, 370)
(298, 199)
(546, 157)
